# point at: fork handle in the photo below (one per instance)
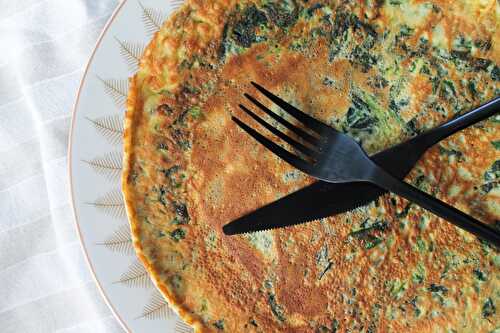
(440, 208)
(480, 113)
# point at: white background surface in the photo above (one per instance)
(45, 285)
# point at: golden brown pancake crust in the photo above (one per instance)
(380, 71)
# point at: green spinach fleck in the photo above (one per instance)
(364, 58)
(332, 329)
(494, 172)
(481, 44)
(162, 195)
(372, 242)
(173, 176)
(225, 43)
(328, 82)
(489, 308)
(396, 288)
(165, 109)
(448, 90)
(327, 268)
(323, 261)
(182, 215)
(460, 54)
(335, 325)
(188, 89)
(404, 212)
(412, 128)
(462, 43)
(360, 116)
(219, 324)
(378, 82)
(435, 288)
(276, 309)
(406, 31)
(480, 275)
(178, 234)
(425, 70)
(438, 292)
(416, 309)
(480, 64)
(242, 33)
(451, 153)
(495, 73)
(244, 30)
(471, 87)
(170, 171)
(491, 177)
(397, 105)
(418, 275)
(343, 20)
(176, 281)
(181, 138)
(311, 10)
(366, 229)
(421, 245)
(322, 255)
(195, 112)
(282, 13)
(162, 146)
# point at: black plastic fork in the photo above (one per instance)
(334, 157)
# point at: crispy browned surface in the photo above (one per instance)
(410, 271)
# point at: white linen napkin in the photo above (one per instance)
(45, 285)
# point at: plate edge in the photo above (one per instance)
(70, 167)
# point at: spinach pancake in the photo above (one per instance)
(381, 71)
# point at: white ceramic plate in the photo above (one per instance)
(95, 166)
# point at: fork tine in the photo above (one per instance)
(300, 147)
(288, 157)
(301, 133)
(309, 121)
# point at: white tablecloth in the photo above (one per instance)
(45, 285)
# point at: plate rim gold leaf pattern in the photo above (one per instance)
(117, 89)
(131, 52)
(152, 19)
(119, 241)
(108, 165)
(136, 276)
(109, 127)
(157, 307)
(111, 203)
